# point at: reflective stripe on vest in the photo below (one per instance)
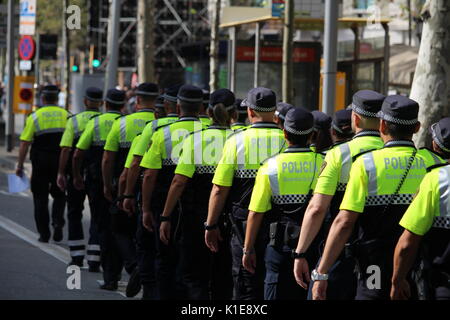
(76, 128)
(168, 142)
(36, 122)
(123, 130)
(240, 151)
(154, 125)
(443, 221)
(346, 157)
(272, 171)
(97, 138)
(371, 170)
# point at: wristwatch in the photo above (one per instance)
(296, 255)
(164, 218)
(315, 276)
(211, 227)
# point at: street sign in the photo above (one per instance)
(23, 94)
(27, 24)
(25, 65)
(27, 48)
(48, 45)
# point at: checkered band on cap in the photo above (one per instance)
(170, 98)
(389, 118)
(146, 93)
(296, 132)
(363, 112)
(256, 108)
(190, 99)
(436, 138)
(228, 108)
(335, 127)
(115, 101)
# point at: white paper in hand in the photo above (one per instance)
(18, 184)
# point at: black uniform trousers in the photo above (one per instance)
(109, 255)
(247, 286)
(43, 182)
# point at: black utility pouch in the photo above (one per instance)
(291, 235)
(273, 234)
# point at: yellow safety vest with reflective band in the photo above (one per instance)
(75, 127)
(97, 130)
(286, 179)
(126, 128)
(143, 144)
(45, 120)
(238, 126)
(338, 161)
(206, 121)
(374, 178)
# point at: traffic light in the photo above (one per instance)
(96, 63)
(75, 68)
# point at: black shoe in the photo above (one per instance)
(43, 239)
(94, 269)
(134, 284)
(58, 234)
(77, 261)
(110, 286)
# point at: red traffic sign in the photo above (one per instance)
(27, 48)
(26, 94)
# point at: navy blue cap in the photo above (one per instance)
(342, 121)
(440, 131)
(206, 96)
(171, 93)
(190, 93)
(322, 121)
(50, 89)
(400, 110)
(367, 103)
(115, 96)
(94, 94)
(159, 102)
(282, 109)
(224, 96)
(299, 121)
(261, 99)
(147, 89)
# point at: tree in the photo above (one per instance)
(431, 84)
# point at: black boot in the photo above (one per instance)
(134, 283)
(58, 234)
(110, 286)
(77, 261)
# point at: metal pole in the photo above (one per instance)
(145, 41)
(257, 52)
(330, 56)
(9, 128)
(66, 46)
(288, 32)
(356, 55)
(387, 53)
(214, 45)
(36, 70)
(233, 59)
(113, 45)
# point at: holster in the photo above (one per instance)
(284, 234)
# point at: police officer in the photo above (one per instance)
(132, 203)
(233, 181)
(239, 118)
(321, 139)
(117, 145)
(341, 126)
(427, 229)
(43, 131)
(204, 118)
(379, 190)
(90, 146)
(160, 163)
(330, 189)
(200, 155)
(75, 126)
(280, 113)
(284, 184)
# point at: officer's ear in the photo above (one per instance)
(383, 127)
(138, 100)
(417, 127)
(285, 134)
(250, 113)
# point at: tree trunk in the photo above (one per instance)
(431, 84)
(66, 46)
(214, 9)
(145, 41)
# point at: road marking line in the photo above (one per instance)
(54, 250)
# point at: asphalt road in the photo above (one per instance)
(32, 270)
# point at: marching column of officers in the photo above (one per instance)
(201, 196)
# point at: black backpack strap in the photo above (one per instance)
(437, 166)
